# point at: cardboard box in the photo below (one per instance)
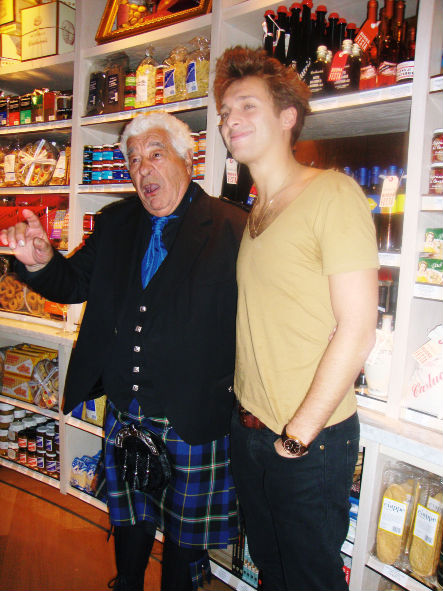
(10, 13)
(10, 48)
(47, 29)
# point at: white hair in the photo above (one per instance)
(178, 131)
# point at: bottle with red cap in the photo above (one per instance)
(306, 32)
(282, 31)
(294, 46)
(351, 31)
(387, 58)
(366, 38)
(269, 32)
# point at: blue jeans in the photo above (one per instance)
(296, 511)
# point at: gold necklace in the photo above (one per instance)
(253, 228)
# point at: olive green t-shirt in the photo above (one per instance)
(284, 315)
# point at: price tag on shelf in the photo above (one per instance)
(428, 291)
(242, 586)
(220, 572)
(396, 575)
(370, 403)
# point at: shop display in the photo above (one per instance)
(30, 373)
(40, 105)
(426, 383)
(47, 29)
(410, 525)
(83, 473)
(380, 53)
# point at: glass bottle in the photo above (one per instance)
(294, 46)
(281, 32)
(405, 66)
(269, 26)
(387, 57)
(306, 30)
(369, 58)
(344, 83)
(318, 73)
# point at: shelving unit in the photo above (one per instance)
(390, 430)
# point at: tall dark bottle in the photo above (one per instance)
(405, 66)
(237, 181)
(332, 41)
(268, 39)
(282, 30)
(294, 46)
(387, 50)
(306, 31)
(369, 58)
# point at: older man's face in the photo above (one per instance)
(160, 176)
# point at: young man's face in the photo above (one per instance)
(249, 121)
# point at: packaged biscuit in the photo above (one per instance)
(427, 530)
(401, 488)
(433, 243)
(430, 270)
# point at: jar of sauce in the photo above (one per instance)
(437, 146)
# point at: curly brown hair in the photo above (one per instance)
(284, 84)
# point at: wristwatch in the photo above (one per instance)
(293, 445)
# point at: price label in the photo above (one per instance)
(338, 63)
(231, 171)
(366, 35)
(389, 191)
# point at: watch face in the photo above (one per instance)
(292, 446)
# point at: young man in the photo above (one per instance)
(307, 266)
(158, 337)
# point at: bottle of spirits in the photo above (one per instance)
(318, 73)
(269, 32)
(355, 67)
(320, 27)
(282, 30)
(351, 31)
(387, 50)
(294, 46)
(342, 62)
(405, 66)
(237, 181)
(306, 31)
(341, 28)
(366, 39)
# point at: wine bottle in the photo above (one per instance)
(366, 39)
(294, 46)
(318, 73)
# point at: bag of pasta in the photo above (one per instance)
(402, 484)
(175, 75)
(197, 68)
(427, 530)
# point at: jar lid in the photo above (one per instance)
(3, 432)
(50, 454)
(41, 429)
(19, 413)
(5, 445)
(7, 418)
(437, 165)
(29, 422)
(438, 131)
(40, 419)
(4, 406)
(16, 426)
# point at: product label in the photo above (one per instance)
(141, 93)
(231, 171)
(338, 63)
(425, 526)
(112, 89)
(435, 505)
(9, 168)
(393, 515)
(366, 35)
(389, 191)
(191, 78)
(169, 88)
(405, 71)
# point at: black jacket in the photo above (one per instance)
(191, 303)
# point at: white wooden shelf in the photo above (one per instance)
(428, 291)
(396, 575)
(432, 203)
(28, 472)
(79, 494)
(44, 127)
(23, 77)
(84, 426)
(34, 190)
(47, 412)
(110, 188)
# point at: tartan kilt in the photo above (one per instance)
(197, 508)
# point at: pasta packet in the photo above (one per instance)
(197, 68)
(145, 80)
(402, 484)
(427, 530)
(175, 75)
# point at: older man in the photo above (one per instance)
(157, 337)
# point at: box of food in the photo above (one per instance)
(10, 48)
(430, 270)
(16, 387)
(433, 243)
(10, 13)
(47, 29)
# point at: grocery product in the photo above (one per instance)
(35, 163)
(197, 68)
(145, 79)
(175, 75)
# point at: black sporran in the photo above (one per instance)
(142, 458)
